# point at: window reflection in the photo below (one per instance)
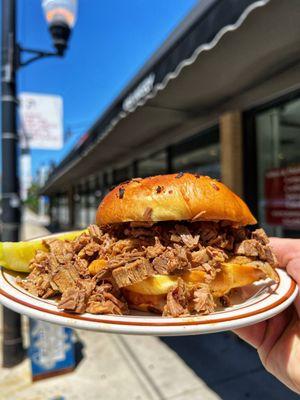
(199, 154)
(155, 164)
(204, 161)
(278, 144)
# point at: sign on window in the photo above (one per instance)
(282, 196)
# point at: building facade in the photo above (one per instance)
(221, 98)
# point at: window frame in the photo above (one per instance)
(250, 161)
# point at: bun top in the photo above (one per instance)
(182, 196)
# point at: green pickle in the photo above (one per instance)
(16, 256)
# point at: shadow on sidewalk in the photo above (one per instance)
(78, 352)
(228, 366)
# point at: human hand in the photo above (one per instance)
(277, 340)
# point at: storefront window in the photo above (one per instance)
(107, 181)
(54, 210)
(82, 211)
(63, 214)
(198, 154)
(155, 164)
(278, 156)
(121, 175)
(76, 200)
(82, 207)
(90, 199)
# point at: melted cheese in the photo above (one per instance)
(231, 276)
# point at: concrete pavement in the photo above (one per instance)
(117, 367)
(113, 367)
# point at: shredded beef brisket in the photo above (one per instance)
(132, 252)
(133, 272)
(177, 300)
(186, 237)
(183, 300)
(260, 235)
(73, 299)
(203, 302)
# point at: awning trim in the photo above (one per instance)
(205, 47)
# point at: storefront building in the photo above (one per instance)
(221, 97)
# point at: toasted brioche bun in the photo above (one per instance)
(173, 197)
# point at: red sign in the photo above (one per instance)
(282, 196)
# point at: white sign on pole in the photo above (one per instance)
(41, 120)
(25, 175)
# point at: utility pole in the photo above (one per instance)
(13, 351)
(60, 16)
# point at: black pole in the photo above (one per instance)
(12, 346)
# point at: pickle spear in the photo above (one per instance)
(16, 256)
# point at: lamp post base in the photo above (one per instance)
(13, 351)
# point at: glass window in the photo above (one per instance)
(278, 156)
(156, 164)
(54, 209)
(81, 207)
(76, 199)
(107, 182)
(90, 198)
(62, 211)
(98, 191)
(82, 211)
(198, 154)
(64, 214)
(91, 207)
(121, 175)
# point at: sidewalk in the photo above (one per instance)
(119, 367)
(114, 367)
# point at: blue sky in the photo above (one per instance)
(111, 41)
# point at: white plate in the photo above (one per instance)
(264, 300)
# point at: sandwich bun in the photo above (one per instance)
(174, 197)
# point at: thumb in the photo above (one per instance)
(288, 254)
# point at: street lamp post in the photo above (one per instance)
(60, 15)
(13, 351)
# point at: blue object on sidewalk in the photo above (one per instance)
(51, 349)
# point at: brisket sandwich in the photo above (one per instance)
(173, 244)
